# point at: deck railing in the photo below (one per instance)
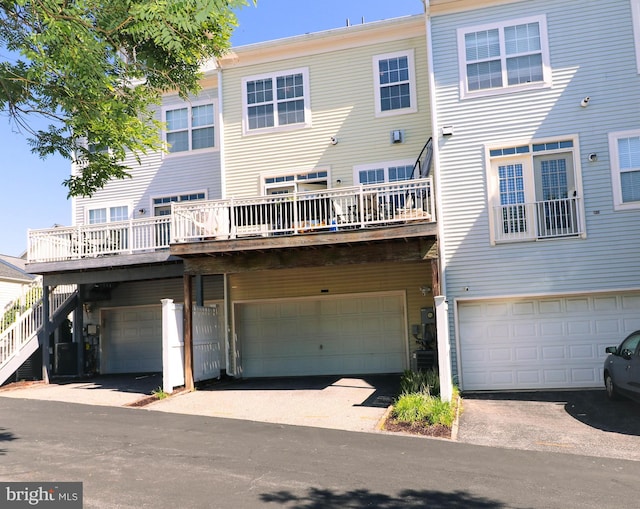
(306, 212)
(344, 208)
(89, 241)
(538, 220)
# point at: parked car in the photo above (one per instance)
(622, 368)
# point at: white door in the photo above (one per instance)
(132, 340)
(541, 343)
(322, 336)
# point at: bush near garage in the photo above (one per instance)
(419, 409)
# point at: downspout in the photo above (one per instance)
(441, 304)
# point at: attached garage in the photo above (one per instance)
(349, 334)
(541, 343)
(131, 340)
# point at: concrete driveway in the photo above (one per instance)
(577, 422)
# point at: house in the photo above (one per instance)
(13, 279)
(295, 197)
(537, 154)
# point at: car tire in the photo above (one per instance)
(612, 391)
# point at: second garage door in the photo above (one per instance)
(541, 343)
(322, 336)
(133, 340)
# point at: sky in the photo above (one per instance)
(31, 189)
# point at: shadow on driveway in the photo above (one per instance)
(580, 422)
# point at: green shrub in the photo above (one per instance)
(423, 382)
(422, 408)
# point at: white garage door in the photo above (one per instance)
(541, 343)
(133, 342)
(323, 336)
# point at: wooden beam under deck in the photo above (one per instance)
(310, 240)
(398, 250)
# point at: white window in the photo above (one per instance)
(383, 172)
(190, 127)
(162, 204)
(276, 101)
(285, 183)
(624, 148)
(535, 191)
(109, 214)
(504, 57)
(635, 16)
(395, 84)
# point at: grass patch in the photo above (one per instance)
(418, 409)
(159, 393)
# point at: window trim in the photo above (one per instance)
(152, 205)
(492, 185)
(410, 54)
(277, 128)
(190, 105)
(265, 187)
(635, 18)
(107, 205)
(385, 165)
(616, 182)
(506, 88)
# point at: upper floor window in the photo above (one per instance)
(624, 148)
(190, 127)
(395, 86)
(535, 191)
(503, 57)
(277, 100)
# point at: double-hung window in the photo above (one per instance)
(190, 127)
(276, 101)
(504, 57)
(624, 148)
(395, 84)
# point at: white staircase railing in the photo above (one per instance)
(28, 319)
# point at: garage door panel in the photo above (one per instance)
(363, 334)
(133, 340)
(504, 344)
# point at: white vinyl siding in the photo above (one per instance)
(504, 57)
(394, 83)
(635, 16)
(158, 174)
(276, 101)
(624, 148)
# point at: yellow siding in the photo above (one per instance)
(342, 105)
(346, 279)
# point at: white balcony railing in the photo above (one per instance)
(306, 212)
(90, 241)
(345, 208)
(538, 220)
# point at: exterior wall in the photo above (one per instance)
(161, 174)
(342, 104)
(339, 280)
(9, 291)
(603, 69)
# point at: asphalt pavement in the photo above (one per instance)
(128, 458)
(574, 422)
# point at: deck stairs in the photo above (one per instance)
(23, 327)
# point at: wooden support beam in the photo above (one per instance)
(188, 332)
(402, 250)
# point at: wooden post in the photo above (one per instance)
(188, 333)
(44, 334)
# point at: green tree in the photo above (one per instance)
(94, 69)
